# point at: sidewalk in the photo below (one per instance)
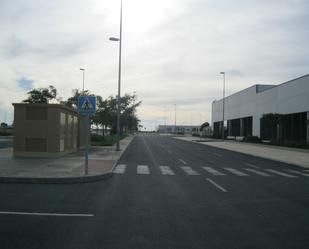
(299, 157)
(66, 169)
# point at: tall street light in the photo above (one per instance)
(87, 128)
(175, 118)
(223, 99)
(82, 69)
(119, 77)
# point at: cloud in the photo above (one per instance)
(173, 50)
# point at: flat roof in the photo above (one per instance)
(267, 87)
(60, 106)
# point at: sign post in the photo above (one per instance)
(86, 107)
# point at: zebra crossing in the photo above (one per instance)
(221, 172)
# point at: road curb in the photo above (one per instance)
(54, 180)
(64, 180)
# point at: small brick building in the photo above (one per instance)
(47, 130)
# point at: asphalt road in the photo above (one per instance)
(162, 197)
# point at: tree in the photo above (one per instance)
(4, 125)
(206, 124)
(72, 101)
(106, 114)
(41, 95)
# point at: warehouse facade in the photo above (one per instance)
(271, 112)
(180, 129)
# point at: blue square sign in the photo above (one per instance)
(86, 105)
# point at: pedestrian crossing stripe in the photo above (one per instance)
(166, 170)
(143, 170)
(258, 172)
(189, 171)
(120, 169)
(236, 172)
(281, 173)
(213, 171)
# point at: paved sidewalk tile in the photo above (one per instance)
(101, 161)
(293, 156)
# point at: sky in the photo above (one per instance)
(172, 55)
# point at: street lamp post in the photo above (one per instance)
(175, 119)
(223, 99)
(87, 128)
(119, 77)
(82, 69)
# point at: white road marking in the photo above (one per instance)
(189, 170)
(120, 169)
(236, 172)
(217, 154)
(257, 172)
(298, 172)
(169, 152)
(166, 170)
(45, 214)
(213, 171)
(182, 161)
(216, 185)
(143, 170)
(281, 173)
(252, 165)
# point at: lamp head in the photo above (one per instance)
(114, 39)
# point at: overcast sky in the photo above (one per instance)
(173, 50)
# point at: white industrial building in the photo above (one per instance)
(244, 111)
(181, 129)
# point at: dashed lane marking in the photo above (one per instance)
(216, 185)
(120, 169)
(182, 161)
(143, 170)
(236, 172)
(257, 172)
(189, 170)
(213, 171)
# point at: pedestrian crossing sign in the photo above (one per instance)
(86, 105)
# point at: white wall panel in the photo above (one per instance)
(289, 97)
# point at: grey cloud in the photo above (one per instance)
(15, 47)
